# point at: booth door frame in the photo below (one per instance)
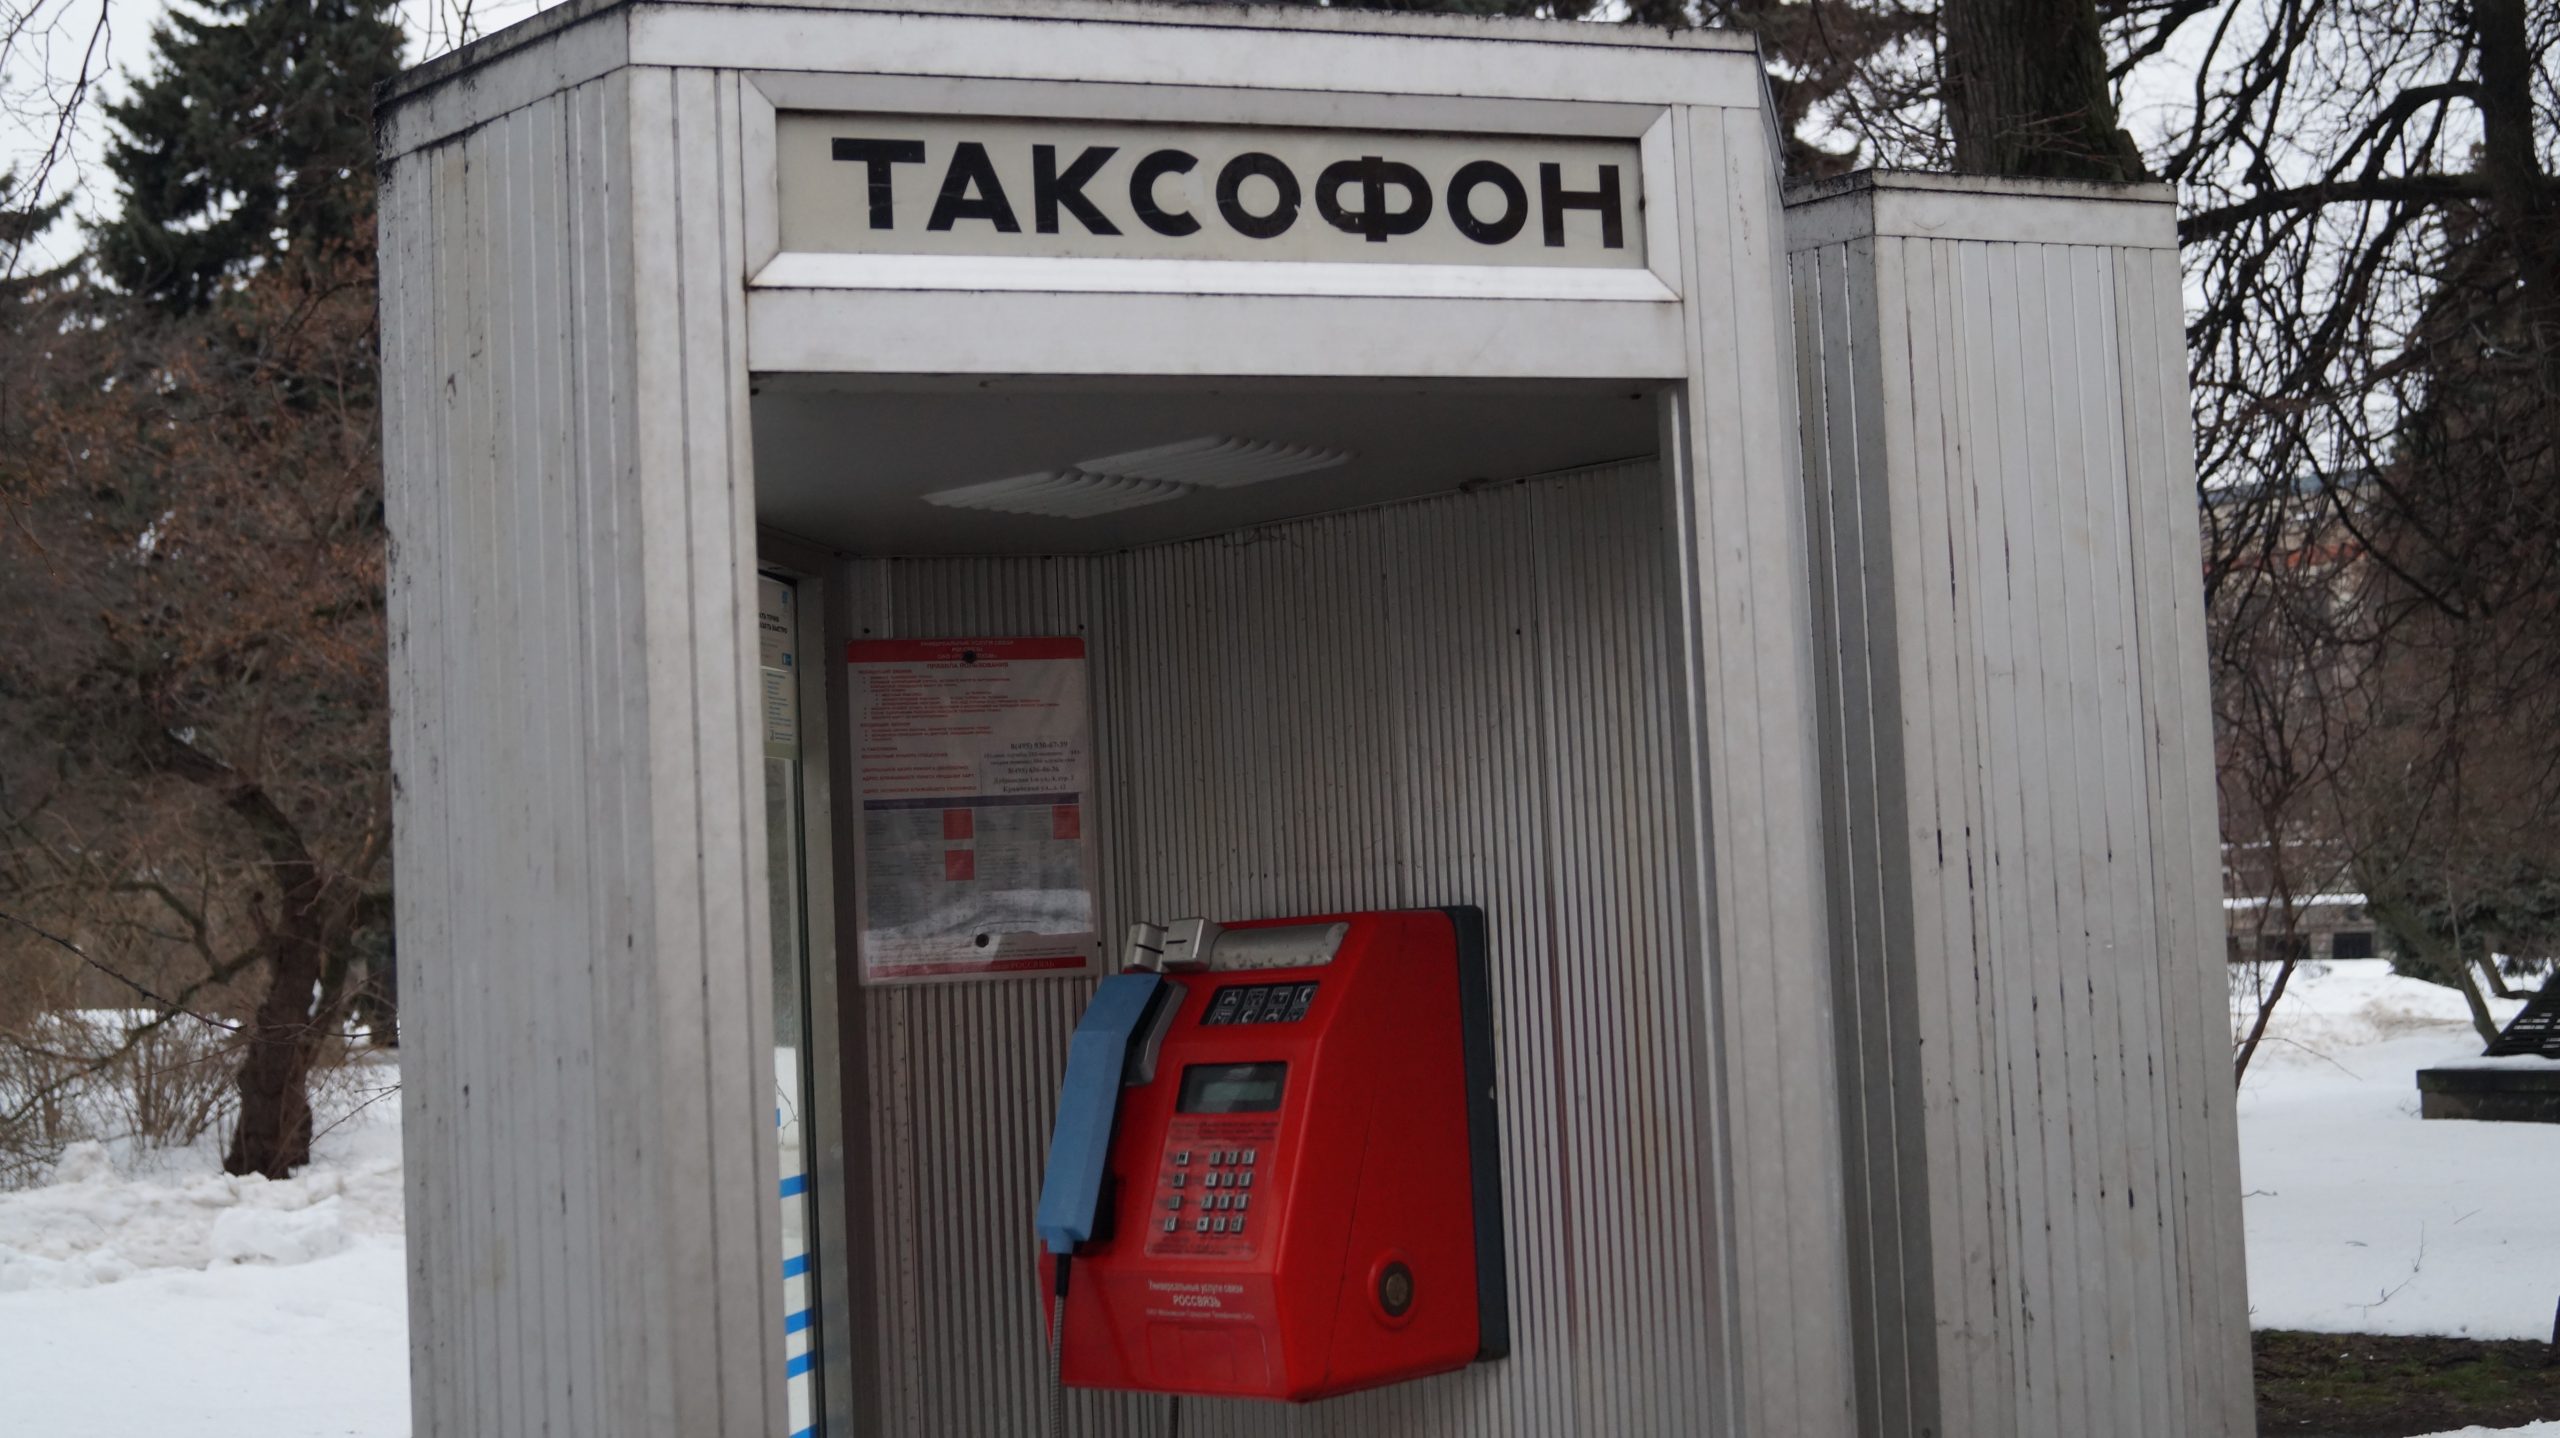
(1736, 524)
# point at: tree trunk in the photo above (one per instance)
(274, 1133)
(2025, 84)
(2481, 1018)
(2444, 962)
(2266, 1011)
(2528, 209)
(299, 1007)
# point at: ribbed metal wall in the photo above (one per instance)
(1459, 700)
(590, 1178)
(2038, 1101)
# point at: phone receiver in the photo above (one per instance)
(1108, 1039)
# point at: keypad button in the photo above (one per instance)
(1217, 1225)
(1242, 1199)
(1171, 1224)
(1180, 1179)
(1244, 1179)
(1299, 1002)
(1235, 1225)
(1173, 1200)
(1200, 1225)
(1248, 1155)
(1182, 1158)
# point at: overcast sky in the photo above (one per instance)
(41, 70)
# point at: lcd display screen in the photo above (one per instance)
(1231, 1088)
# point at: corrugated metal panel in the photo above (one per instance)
(591, 1161)
(1869, 878)
(2042, 1189)
(2201, 1127)
(1749, 686)
(1261, 751)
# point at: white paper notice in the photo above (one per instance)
(777, 624)
(974, 760)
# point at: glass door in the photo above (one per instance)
(778, 626)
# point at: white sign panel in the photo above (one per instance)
(974, 760)
(912, 185)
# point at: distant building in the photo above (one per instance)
(2324, 926)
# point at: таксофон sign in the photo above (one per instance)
(887, 184)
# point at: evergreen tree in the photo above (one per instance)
(251, 138)
(22, 219)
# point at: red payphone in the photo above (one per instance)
(1295, 1193)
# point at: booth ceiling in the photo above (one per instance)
(977, 466)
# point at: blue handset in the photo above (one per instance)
(1080, 1147)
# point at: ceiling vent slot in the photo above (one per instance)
(1218, 461)
(1060, 494)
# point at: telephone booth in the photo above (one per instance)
(887, 496)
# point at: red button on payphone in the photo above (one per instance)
(1301, 1196)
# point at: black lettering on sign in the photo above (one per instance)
(1554, 199)
(1373, 219)
(877, 156)
(1053, 190)
(1231, 180)
(1142, 192)
(971, 171)
(1515, 202)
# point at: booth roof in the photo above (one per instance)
(1808, 192)
(560, 17)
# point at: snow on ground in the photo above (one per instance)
(148, 1293)
(151, 1293)
(2361, 1217)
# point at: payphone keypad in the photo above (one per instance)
(1205, 1187)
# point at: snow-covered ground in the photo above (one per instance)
(150, 1294)
(2365, 1219)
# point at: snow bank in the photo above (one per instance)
(149, 1292)
(2361, 1217)
(99, 1220)
(2354, 1003)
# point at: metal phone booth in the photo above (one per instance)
(1329, 464)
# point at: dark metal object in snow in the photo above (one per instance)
(2536, 1030)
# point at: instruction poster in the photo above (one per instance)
(974, 760)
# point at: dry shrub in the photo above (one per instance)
(128, 1078)
(174, 1084)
